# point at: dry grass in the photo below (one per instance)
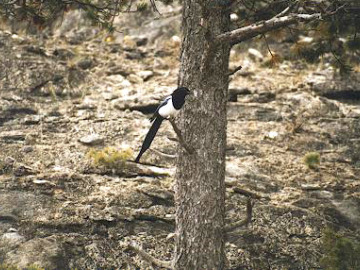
(110, 157)
(312, 160)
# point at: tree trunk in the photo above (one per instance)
(200, 188)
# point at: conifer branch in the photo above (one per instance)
(260, 28)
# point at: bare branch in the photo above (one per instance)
(182, 142)
(253, 30)
(147, 257)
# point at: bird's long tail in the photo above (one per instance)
(149, 137)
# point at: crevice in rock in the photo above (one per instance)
(8, 219)
(19, 110)
(346, 95)
(152, 218)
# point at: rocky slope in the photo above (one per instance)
(63, 96)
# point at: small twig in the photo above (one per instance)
(235, 70)
(147, 257)
(246, 221)
(287, 10)
(154, 7)
(282, 13)
(188, 148)
(268, 47)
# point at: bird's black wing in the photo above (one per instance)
(156, 113)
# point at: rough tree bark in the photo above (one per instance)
(200, 189)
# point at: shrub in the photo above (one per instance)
(340, 253)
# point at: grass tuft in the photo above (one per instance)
(312, 160)
(110, 157)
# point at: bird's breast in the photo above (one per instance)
(167, 110)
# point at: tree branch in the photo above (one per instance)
(253, 30)
(182, 142)
(232, 72)
(147, 257)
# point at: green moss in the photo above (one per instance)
(340, 253)
(110, 157)
(312, 160)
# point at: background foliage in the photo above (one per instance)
(336, 34)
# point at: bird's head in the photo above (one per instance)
(181, 92)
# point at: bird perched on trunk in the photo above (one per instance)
(167, 109)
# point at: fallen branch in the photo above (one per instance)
(182, 142)
(147, 257)
(246, 221)
(249, 194)
(163, 154)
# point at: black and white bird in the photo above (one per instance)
(167, 109)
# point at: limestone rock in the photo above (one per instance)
(44, 252)
(92, 139)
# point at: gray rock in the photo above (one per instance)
(22, 170)
(9, 161)
(92, 139)
(255, 55)
(73, 19)
(12, 136)
(135, 79)
(310, 187)
(85, 63)
(64, 54)
(43, 252)
(76, 37)
(11, 239)
(141, 40)
(115, 69)
(32, 120)
(134, 55)
(145, 74)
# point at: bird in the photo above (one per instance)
(167, 109)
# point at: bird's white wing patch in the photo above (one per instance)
(168, 109)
